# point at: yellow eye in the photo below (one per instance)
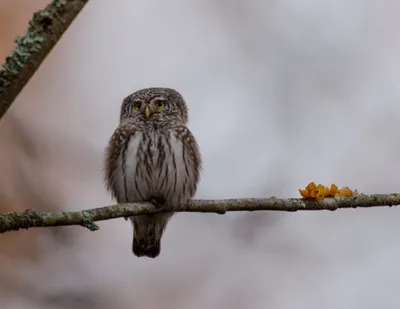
(137, 105)
(160, 104)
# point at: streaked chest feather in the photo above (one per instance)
(155, 164)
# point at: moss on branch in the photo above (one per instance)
(45, 29)
(30, 218)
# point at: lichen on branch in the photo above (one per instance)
(45, 29)
(30, 218)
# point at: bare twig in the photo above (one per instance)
(28, 219)
(45, 29)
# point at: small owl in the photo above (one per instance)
(152, 156)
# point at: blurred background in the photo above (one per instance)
(280, 93)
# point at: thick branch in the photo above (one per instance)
(15, 221)
(45, 29)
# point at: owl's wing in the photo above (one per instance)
(117, 145)
(191, 148)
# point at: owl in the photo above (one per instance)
(152, 156)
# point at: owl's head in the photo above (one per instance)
(152, 104)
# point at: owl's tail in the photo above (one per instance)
(149, 247)
(147, 233)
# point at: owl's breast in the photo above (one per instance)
(153, 165)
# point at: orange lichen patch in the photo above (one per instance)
(320, 192)
(345, 191)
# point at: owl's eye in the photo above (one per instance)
(160, 104)
(137, 105)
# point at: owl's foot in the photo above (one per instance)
(157, 202)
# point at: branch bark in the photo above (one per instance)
(30, 218)
(45, 29)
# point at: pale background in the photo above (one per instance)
(280, 93)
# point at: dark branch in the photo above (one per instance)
(45, 29)
(27, 219)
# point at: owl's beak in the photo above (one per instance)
(147, 112)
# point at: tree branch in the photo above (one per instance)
(30, 218)
(45, 29)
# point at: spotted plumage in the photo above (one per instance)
(152, 156)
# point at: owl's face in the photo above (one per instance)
(153, 104)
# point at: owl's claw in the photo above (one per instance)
(158, 203)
